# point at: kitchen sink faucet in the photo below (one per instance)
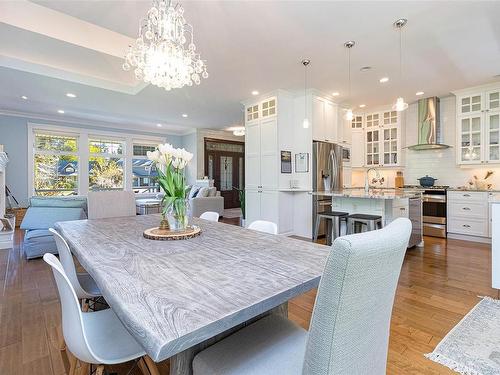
(367, 183)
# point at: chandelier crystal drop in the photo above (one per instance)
(164, 54)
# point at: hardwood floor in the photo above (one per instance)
(439, 284)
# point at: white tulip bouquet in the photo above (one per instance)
(170, 163)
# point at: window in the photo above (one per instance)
(105, 164)
(144, 173)
(55, 166)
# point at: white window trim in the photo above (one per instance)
(83, 135)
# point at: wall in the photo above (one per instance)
(14, 137)
(440, 164)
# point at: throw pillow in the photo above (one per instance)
(212, 191)
(203, 192)
(193, 192)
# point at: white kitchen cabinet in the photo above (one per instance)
(324, 120)
(372, 147)
(478, 131)
(468, 214)
(358, 148)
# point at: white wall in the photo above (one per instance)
(440, 164)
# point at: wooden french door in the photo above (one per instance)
(225, 164)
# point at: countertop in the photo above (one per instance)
(371, 194)
(474, 190)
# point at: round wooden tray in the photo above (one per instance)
(170, 235)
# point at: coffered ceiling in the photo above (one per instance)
(50, 48)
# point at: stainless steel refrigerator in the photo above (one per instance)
(327, 176)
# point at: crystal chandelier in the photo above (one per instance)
(164, 54)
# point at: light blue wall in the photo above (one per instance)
(14, 137)
(190, 143)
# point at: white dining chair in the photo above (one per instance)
(349, 330)
(84, 285)
(94, 338)
(210, 216)
(115, 203)
(264, 226)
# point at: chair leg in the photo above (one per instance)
(73, 363)
(85, 305)
(99, 370)
(148, 366)
(84, 368)
(316, 228)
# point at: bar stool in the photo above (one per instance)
(333, 221)
(356, 221)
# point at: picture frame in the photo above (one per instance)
(286, 161)
(302, 162)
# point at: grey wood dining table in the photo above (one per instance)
(177, 297)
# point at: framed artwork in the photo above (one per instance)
(302, 162)
(286, 161)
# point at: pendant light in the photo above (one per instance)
(349, 115)
(400, 104)
(305, 123)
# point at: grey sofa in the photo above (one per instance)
(42, 214)
(200, 205)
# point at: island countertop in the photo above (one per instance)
(371, 194)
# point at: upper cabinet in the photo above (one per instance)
(376, 139)
(478, 125)
(324, 120)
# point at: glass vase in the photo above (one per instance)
(178, 214)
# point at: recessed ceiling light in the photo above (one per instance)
(384, 79)
(365, 68)
(24, 97)
(159, 125)
(362, 105)
(70, 95)
(184, 115)
(335, 93)
(60, 111)
(419, 93)
(255, 92)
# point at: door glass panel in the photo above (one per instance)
(465, 125)
(476, 103)
(387, 158)
(240, 173)
(494, 121)
(494, 101)
(394, 133)
(476, 124)
(375, 159)
(465, 140)
(394, 146)
(375, 136)
(476, 139)
(387, 134)
(386, 146)
(226, 173)
(494, 153)
(210, 167)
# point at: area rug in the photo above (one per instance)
(472, 347)
(232, 212)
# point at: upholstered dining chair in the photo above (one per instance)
(210, 216)
(95, 338)
(264, 226)
(349, 330)
(104, 204)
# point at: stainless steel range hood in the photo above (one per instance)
(429, 126)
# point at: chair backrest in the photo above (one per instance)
(72, 319)
(66, 259)
(103, 204)
(349, 331)
(264, 226)
(210, 216)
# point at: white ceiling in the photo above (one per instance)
(49, 48)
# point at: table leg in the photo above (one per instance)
(182, 363)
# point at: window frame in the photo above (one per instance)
(83, 154)
(140, 142)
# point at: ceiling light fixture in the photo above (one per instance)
(255, 92)
(60, 111)
(335, 93)
(70, 95)
(362, 105)
(159, 125)
(365, 68)
(400, 104)
(384, 79)
(237, 130)
(305, 123)
(184, 115)
(419, 93)
(24, 97)
(349, 44)
(164, 53)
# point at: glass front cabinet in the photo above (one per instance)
(478, 127)
(382, 139)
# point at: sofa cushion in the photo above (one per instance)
(66, 202)
(212, 192)
(36, 233)
(203, 193)
(46, 217)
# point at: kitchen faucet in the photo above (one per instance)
(367, 183)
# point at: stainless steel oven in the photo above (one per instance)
(434, 212)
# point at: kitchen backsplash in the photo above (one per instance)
(440, 164)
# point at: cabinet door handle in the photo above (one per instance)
(466, 208)
(466, 225)
(466, 195)
(402, 208)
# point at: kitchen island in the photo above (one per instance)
(388, 203)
